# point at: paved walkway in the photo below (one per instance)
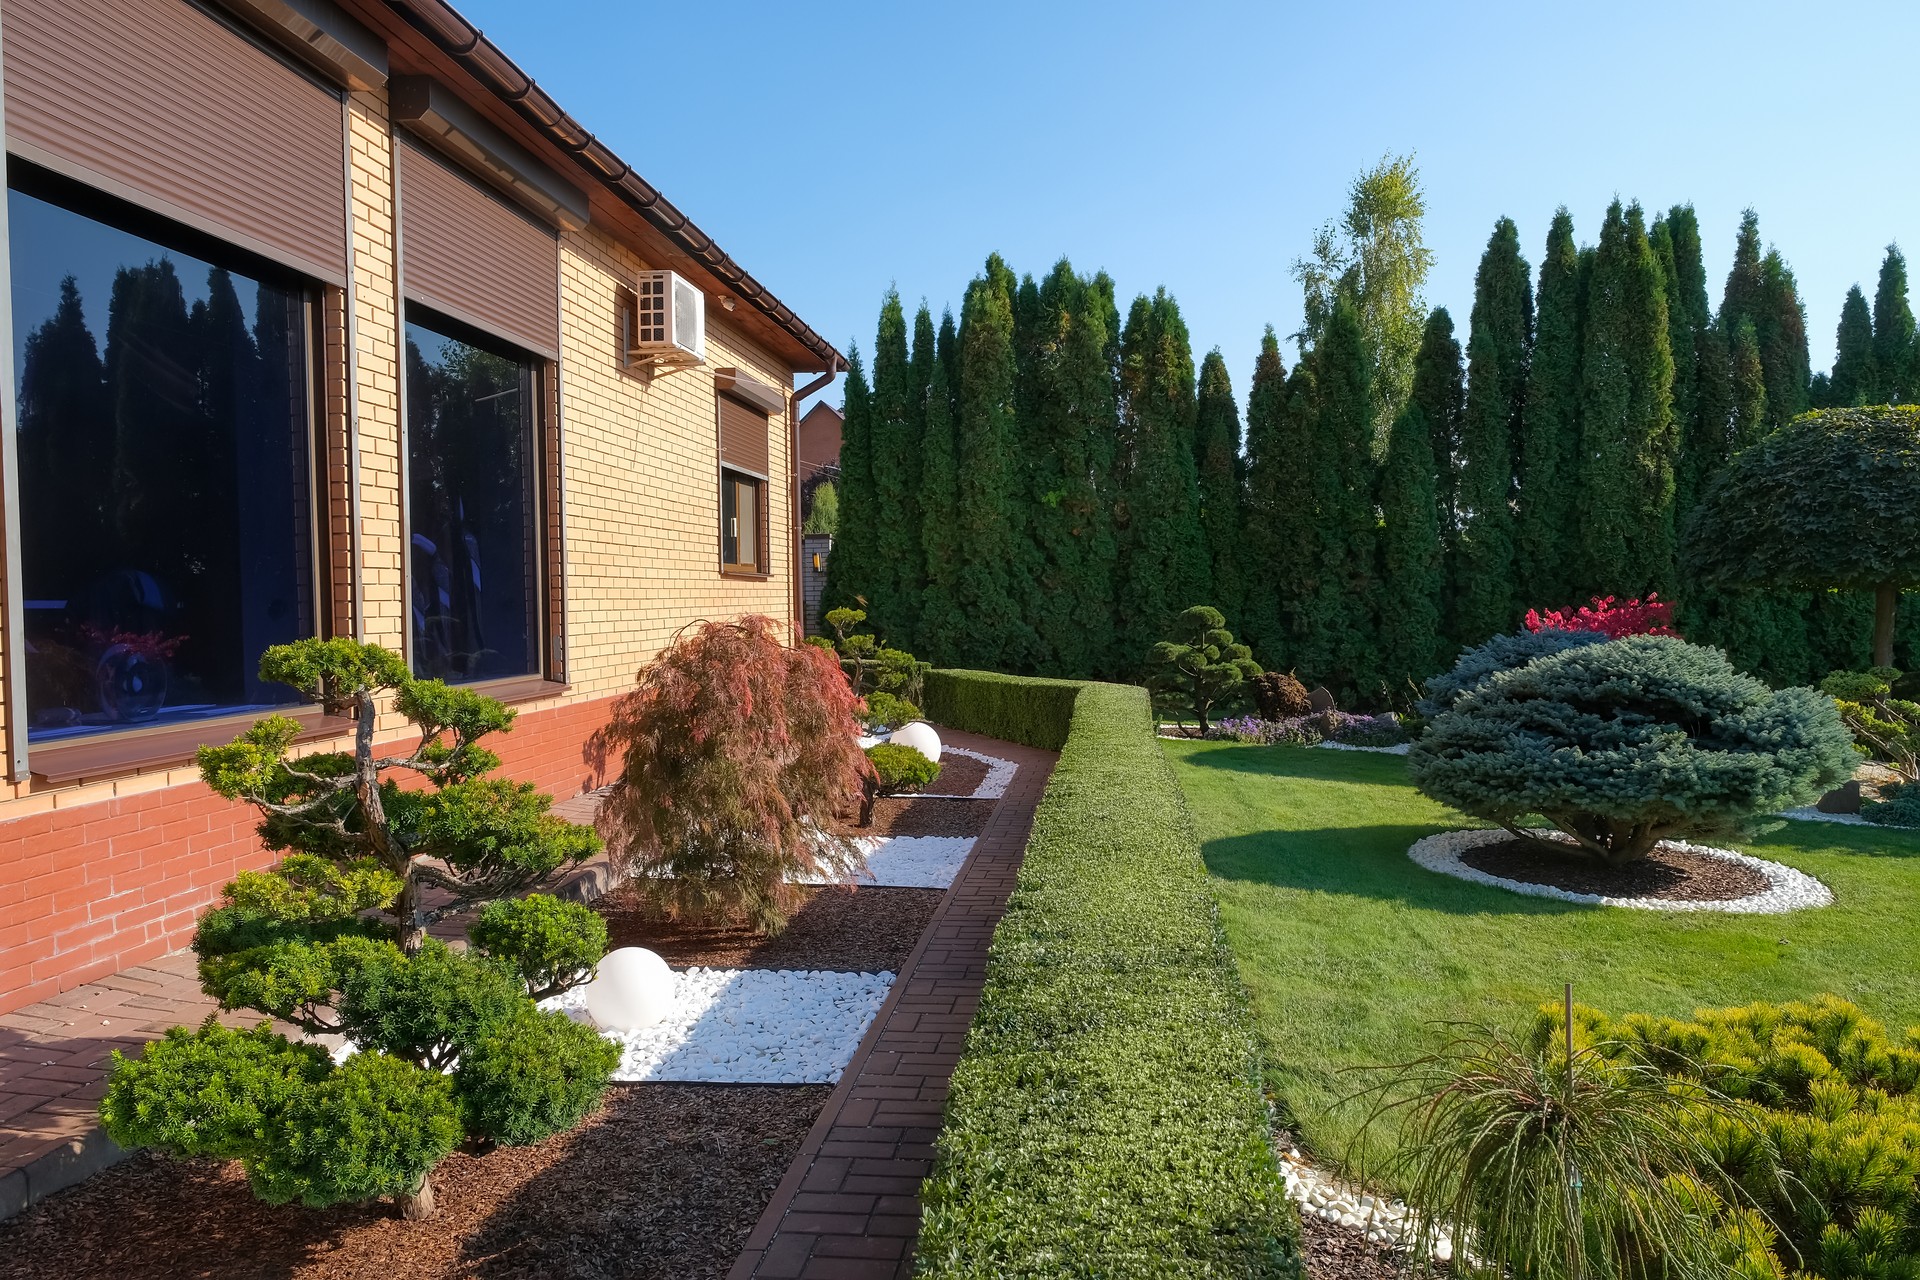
(849, 1207)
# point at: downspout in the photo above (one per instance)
(834, 366)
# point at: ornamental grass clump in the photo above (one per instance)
(334, 941)
(1620, 744)
(738, 751)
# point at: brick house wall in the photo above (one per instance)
(99, 873)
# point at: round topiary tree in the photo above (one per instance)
(1201, 666)
(896, 769)
(333, 940)
(1832, 499)
(1623, 743)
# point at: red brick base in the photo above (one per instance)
(91, 889)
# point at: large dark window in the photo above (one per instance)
(165, 420)
(473, 406)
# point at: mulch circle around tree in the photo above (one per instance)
(665, 1182)
(959, 776)
(1337, 1252)
(857, 929)
(1668, 874)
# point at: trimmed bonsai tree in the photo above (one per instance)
(738, 752)
(896, 770)
(871, 667)
(1200, 666)
(1832, 499)
(333, 940)
(1623, 743)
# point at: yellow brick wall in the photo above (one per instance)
(640, 479)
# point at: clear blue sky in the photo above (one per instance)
(837, 149)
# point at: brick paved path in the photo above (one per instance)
(849, 1206)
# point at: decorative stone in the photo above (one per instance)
(1844, 798)
(1319, 700)
(921, 737)
(633, 988)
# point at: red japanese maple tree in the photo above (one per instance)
(1650, 617)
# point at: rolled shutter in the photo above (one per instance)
(156, 102)
(743, 436)
(469, 254)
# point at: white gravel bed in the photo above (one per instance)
(1397, 749)
(1788, 890)
(908, 862)
(1807, 813)
(994, 785)
(1385, 1221)
(747, 1026)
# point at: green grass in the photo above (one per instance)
(1352, 953)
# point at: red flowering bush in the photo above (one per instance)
(739, 750)
(1650, 617)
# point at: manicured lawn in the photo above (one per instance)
(1351, 952)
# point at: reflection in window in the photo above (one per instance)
(471, 414)
(163, 424)
(739, 512)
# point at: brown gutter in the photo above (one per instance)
(479, 57)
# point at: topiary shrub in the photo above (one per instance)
(884, 711)
(1623, 743)
(1279, 695)
(871, 667)
(737, 753)
(1884, 727)
(333, 940)
(537, 1073)
(551, 945)
(896, 769)
(1201, 666)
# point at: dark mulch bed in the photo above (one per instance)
(1666, 873)
(920, 816)
(666, 1182)
(864, 929)
(959, 775)
(1335, 1252)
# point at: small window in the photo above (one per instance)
(626, 323)
(741, 523)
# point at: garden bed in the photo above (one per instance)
(663, 1184)
(1668, 873)
(856, 928)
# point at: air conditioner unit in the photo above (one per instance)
(670, 322)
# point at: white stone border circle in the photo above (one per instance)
(1787, 889)
(993, 786)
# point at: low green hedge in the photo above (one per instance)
(1106, 1118)
(1035, 713)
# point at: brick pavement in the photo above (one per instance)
(849, 1207)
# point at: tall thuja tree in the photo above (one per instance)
(1412, 573)
(1442, 396)
(990, 517)
(1273, 467)
(1339, 645)
(893, 606)
(1072, 408)
(942, 633)
(1545, 539)
(1627, 437)
(1376, 257)
(1498, 349)
(1782, 328)
(1222, 473)
(1699, 375)
(1856, 378)
(1894, 349)
(1163, 553)
(854, 565)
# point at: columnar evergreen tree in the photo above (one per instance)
(1545, 540)
(1627, 437)
(1412, 573)
(1894, 348)
(1297, 527)
(991, 477)
(1498, 349)
(1072, 404)
(1271, 467)
(1707, 441)
(1782, 328)
(854, 564)
(1162, 552)
(893, 606)
(1340, 641)
(1222, 474)
(1856, 377)
(1688, 311)
(942, 631)
(1746, 282)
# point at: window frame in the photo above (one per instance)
(546, 678)
(736, 480)
(149, 746)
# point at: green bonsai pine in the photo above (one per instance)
(333, 940)
(1201, 666)
(871, 667)
(896, 769)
